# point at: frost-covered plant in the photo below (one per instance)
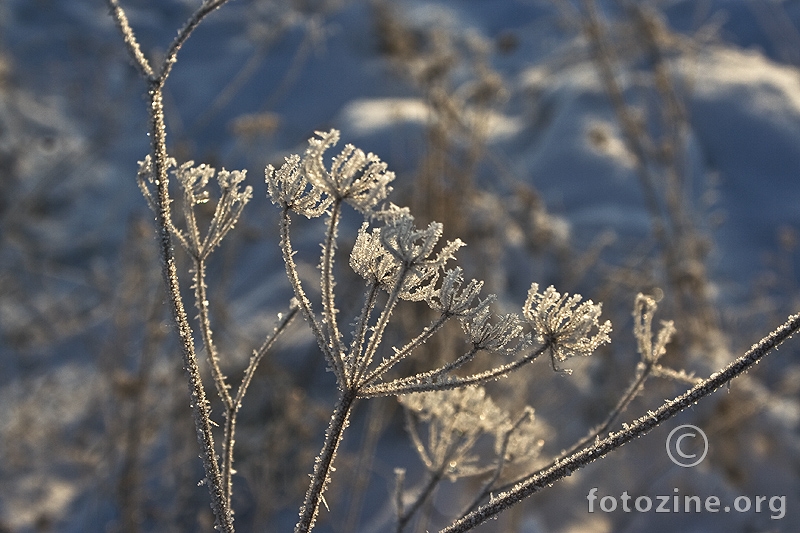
(565, 324)
(395, 257)
(456, 421)
(397, 261)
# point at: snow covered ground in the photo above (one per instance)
(251, 86)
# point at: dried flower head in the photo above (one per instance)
(194, 182)
(456, 419)
(355, 177)
(524, 438)
(370, 260)
(564, 324)
(503, 336)
(399, 253)
(145, 177)
(453, 299)
(290, 189)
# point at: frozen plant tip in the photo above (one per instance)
(643, 310)
(355, 177)
(194, 182)
(412, 249)
(290, 189)
(564, 324)
(454, 300)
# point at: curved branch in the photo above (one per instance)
(184, 33)
(131, 44)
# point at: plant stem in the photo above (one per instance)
(201, 302)
(201, 408)
(422, 497)
(323, 465)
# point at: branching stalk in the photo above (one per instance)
(638, 428)
(327, 284)
(426, 382)
(383, 320)
(229, 435)
(356, 366)
(405, 351)
(200, 405)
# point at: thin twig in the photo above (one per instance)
(405, 351)
(327, 283)
(283, 322)
(630, 394)
(356, 363)
(488, 486)
(304, 302)
(201, 302)
(131, 44)
(383, 320)
(425, 382)
(232, 411)
(171, 57)
(422, 497)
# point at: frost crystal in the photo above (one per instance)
(370, 260)
(565, 324)
(194, 181)
(355, 177)
(412, 248)
(453, 300)
(400, 253)
(290, 189)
